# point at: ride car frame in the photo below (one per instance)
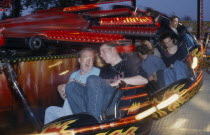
(29, 78)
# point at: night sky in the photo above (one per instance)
(180, 8)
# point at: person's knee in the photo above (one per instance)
(180, 66)
(70, 86)
(179, 63)
(94, 85)
(93, 79)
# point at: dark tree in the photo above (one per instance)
(4, 16)
(16, 8)
(47, 4)
(36, 5)
(187, 18)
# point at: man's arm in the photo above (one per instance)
(135, 80)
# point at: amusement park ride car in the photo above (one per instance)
(76, 27)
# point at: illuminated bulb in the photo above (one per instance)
(146, 113)
(194, 63)
(65, 72)
(161, 105)
(168, 101)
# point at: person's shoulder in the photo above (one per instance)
(153, 57)
(157, 52)
(74, 74)
(105, 71)
(181, 27)
(180, 43)
(95, 69)
(105, 68)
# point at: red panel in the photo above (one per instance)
(2, 41)
(5, 94)
(39, 80)
(78, 36)
(30, 25)
(134, 30)
(125, 49)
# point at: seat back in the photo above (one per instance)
(132, 100)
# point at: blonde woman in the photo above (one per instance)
(153, 50)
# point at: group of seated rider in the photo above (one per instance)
(171, 25)
(166, 65)
(177, 30)
(90, 89)
(93, 94)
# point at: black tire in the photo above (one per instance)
(36, 43)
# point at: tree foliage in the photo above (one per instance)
(36, 5)
(4, 16)
(16, 8)
(187, 18)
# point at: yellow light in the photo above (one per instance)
(161, 105)
(75, 33)
(146, 113)
(194, 63)
(64, 72)
(56, 64)
(168, 101)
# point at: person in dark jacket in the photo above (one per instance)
(176, 29)
(172, 50)
(179, 32)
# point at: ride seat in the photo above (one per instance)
(133, 99)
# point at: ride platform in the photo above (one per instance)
(191, 119)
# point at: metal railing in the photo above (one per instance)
(192, 27)
(206, 56)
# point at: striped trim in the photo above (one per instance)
(134, 96)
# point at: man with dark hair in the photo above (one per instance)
(173, 27)
(176, 29)
(180, 32)
(99, 90)
(150, 63)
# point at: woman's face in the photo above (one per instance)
(149, 45)
(168, 42)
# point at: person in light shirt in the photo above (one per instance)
(86, 60)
